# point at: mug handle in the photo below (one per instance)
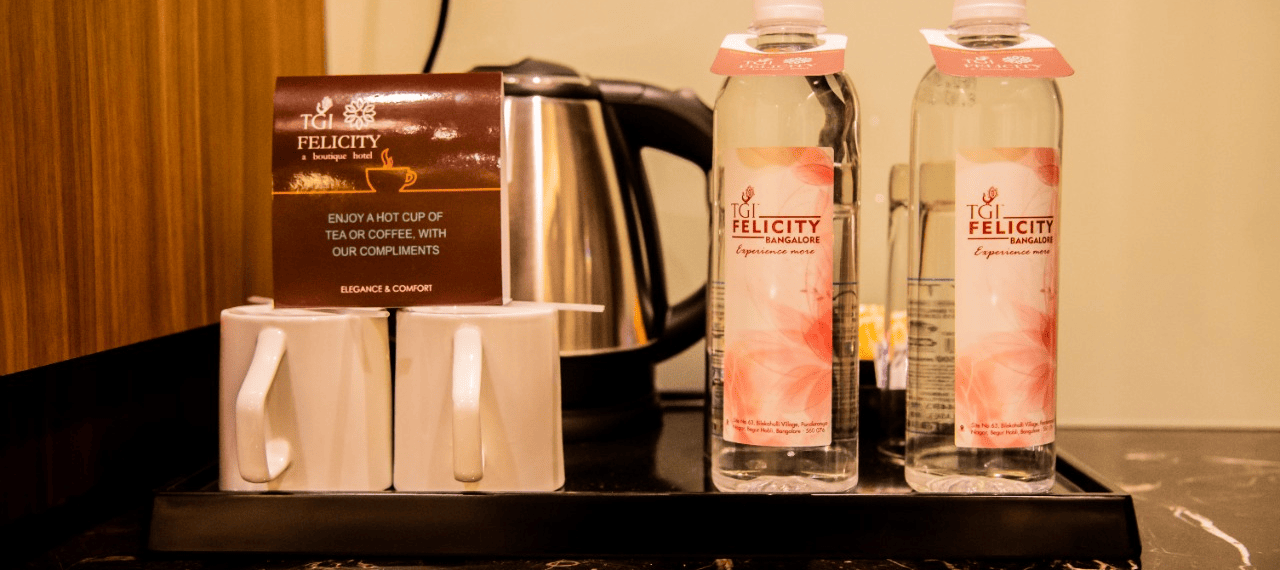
(260, 460)
(468, 453)
(409, 178)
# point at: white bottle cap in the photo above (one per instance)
(1001, 10)
(788, 13)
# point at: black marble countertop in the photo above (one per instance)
(1204, 499)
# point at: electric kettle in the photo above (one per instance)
(583, 230)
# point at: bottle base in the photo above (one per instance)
(781, 484)
(925, 482)
(757, 469)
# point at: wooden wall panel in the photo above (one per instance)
(135, 165)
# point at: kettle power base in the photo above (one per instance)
(647, 495)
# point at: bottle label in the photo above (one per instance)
(1006, 296)
(1035, 57)
(778, 296)
(737, 56)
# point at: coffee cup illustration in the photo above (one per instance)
(388, 177)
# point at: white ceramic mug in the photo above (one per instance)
(305, 400)
(478, 399)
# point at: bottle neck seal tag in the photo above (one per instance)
(737, 56)
(1035, 57)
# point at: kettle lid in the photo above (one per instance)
(530, 77)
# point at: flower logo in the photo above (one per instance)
(748, 194)
(1017, 59)
(797, 60)
(323, 106)
(358, 114)
(990, 195)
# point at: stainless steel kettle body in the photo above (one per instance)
(583, 230)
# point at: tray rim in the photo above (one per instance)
(1097, 523)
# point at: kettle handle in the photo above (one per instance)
(679, 123)
(673, 121)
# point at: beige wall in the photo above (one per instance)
(1167, 315)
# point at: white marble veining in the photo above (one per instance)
(1193, 517)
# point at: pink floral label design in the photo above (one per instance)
(1034, 57)
(778, 296)
(737, 56)
(1006, 297)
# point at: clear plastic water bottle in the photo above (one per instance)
(783, 307)
(983, 272)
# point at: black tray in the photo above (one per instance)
(646, 495)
